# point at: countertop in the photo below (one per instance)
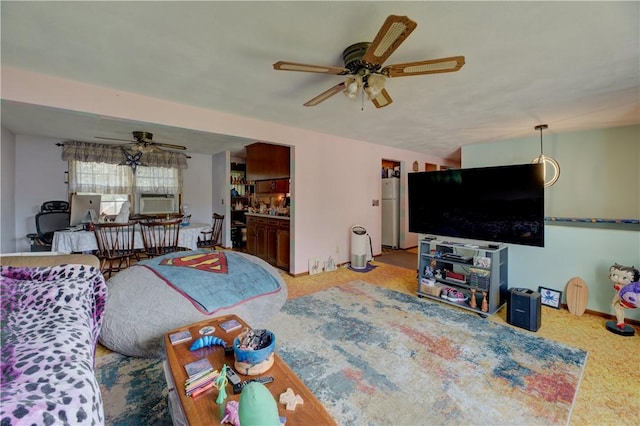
(270, 216)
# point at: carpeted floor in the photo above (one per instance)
(609, 393)
(134, 390)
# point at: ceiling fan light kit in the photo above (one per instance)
(363, 65)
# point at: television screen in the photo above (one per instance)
(502, 204)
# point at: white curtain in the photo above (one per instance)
(100, 178)
(102, 169)
(158, 180)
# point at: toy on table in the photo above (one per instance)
(290, 399)
(625, 282)
(207, 341)
(257, 406)
(220, 383)
(231, 415)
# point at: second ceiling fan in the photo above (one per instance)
(143, 142)
(363, 64)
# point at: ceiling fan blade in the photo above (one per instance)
(114, 139)
(325, 95)
(432, 66)
(168, 145)
(382, 100)
(393, 32)
(292, 66)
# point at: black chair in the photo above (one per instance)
(53, 216)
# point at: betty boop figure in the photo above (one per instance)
(622, 277)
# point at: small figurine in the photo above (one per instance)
(231, 414)
(484, 307)
(220, 383)
(623, 276)
(207, 341)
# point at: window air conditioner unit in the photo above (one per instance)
(155, 203)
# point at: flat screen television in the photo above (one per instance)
(81, 208)
(503, 204)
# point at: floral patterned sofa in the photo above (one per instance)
(52, 309)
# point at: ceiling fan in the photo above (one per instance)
(363, 64)
(143, 142)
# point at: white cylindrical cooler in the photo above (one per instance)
(359, 242)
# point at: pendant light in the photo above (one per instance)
(548, 162)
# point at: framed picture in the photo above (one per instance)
(330, 265)
(315, 265)
(550, 297)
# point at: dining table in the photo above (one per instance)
(81, 241)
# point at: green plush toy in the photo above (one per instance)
(257, 407)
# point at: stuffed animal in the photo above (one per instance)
(623, 277)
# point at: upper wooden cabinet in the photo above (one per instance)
(267, 161)
(276, 186)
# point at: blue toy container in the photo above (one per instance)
(249, 356)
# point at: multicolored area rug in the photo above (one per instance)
(134, 391)
(378, 357)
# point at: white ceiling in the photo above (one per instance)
(572, 65)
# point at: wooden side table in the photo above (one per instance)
(203, 410)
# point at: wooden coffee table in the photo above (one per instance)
(203, 410)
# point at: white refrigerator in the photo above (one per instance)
(391, 212)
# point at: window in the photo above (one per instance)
(107, 170)
(118, 184)
(110, 204)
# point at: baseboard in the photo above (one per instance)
(607, 316)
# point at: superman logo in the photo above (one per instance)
(209, 262)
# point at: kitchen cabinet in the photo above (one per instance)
(267, 161)
(282, 256)
(252, 241)
(272, 242)
(268, 239)
(279, 186)
(261, 241)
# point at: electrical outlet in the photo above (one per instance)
(375, 203)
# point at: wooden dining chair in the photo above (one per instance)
(210, 238)
(115, 243)
(160, 236)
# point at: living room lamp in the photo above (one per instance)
(548, 162)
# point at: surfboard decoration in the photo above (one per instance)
(577, 296)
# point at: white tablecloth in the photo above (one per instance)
(83, 241)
